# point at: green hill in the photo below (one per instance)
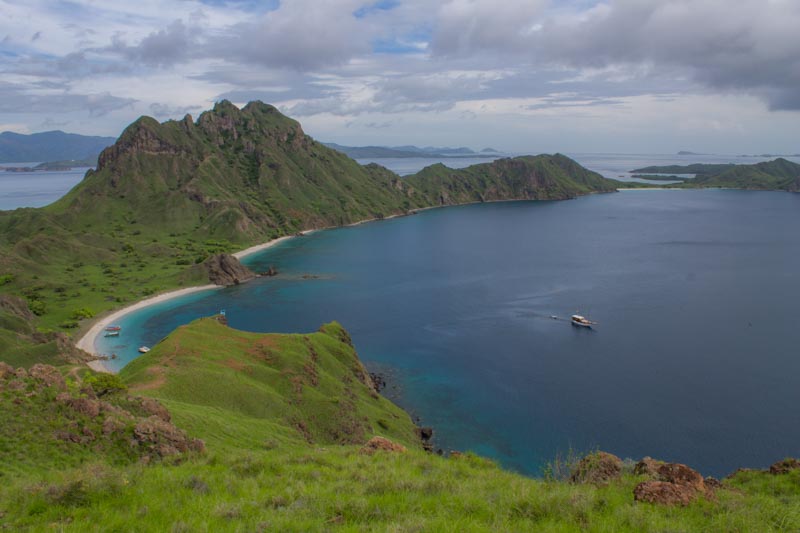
(168, 196)
(780, 174)
(777, 175)
(238, 389)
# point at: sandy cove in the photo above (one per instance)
(86, 342)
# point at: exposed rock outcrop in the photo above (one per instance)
(785, 466)
(381, 444)
(597, 468)
(138, 427)
(162, 439)
(225, 269)
(673, 483)
(663, 493)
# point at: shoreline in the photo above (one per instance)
(86, 341)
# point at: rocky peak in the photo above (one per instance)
(225, 269)
(144, 136)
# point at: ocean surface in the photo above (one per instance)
(694, 358)
(35, 189)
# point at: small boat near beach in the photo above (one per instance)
(113, 327)
(581, 321)
(144, 349)
(112, 333)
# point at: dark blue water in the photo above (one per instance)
(695, 357)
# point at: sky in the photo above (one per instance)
(525, 76)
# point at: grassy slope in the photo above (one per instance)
(237, 389)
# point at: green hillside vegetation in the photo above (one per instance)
(166, 197)
(777, 175)
(694, 168)
(660, 177)
(284, 419)
(292, 388)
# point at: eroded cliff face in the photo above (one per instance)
(225, 269)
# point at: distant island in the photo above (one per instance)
(777, 175)
(50, 146)
(375, 152)
(56, 166)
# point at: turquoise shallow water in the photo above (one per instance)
(694, 359)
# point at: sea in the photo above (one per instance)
(466, 309)
(35, 189)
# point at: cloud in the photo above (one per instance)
(160, 48)
(299, 35)
(159, 110)
(17, 98)
(467, 27)
(752, 47)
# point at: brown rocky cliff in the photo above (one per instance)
(225, 269)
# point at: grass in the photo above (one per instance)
(230, 385)
(311, 488)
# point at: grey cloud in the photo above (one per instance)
(751, 47)
(164, 111)
(300, 35)
(469, 27)
(161, 48)
(15, 98)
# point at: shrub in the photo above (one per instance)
(37, 307)
(83, 312)
(103, 384)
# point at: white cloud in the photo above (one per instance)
(417, 68)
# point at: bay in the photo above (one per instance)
(694, 358)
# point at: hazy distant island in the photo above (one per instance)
(50, 146)
(407, 151)
(779, 174)
(56, 166)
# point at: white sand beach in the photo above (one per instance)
(86, 343)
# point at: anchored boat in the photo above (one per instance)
(581, 321)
